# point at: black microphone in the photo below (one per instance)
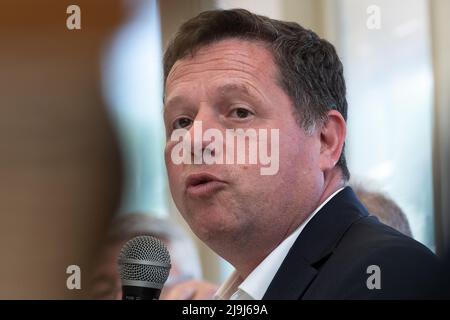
(144, 265)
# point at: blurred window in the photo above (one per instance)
(390, 94)
(133, 88)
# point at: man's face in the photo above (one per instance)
(232, 84)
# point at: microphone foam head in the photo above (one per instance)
(144, 261)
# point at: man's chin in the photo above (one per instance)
(211, 230)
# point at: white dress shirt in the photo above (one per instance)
(255, 285)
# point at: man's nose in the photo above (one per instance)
(205, 120)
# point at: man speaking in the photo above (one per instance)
(297, 233)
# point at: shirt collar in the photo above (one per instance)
(255, 285)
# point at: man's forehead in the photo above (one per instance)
(236, 53)
(233, 44)
(249, 58)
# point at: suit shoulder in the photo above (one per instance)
(369, 235)
(405, 266)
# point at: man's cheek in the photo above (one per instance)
(167, 151)
(174, 177)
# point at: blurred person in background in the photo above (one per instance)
(384, 208)
(185, 263)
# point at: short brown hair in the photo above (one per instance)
(311, 72)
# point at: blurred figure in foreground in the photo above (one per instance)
(185, 263)
(60, 161)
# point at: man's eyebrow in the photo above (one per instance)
(172, 101)
(223, 90)
(234, 87)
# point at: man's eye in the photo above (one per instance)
(241, 113)
(182, 123)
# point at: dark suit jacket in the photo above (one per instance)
(329, 259)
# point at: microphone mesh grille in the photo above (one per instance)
(148, 250)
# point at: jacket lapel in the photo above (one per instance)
(314, 246)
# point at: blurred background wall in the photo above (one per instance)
(440, 36)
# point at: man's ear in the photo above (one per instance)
(332, 137)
